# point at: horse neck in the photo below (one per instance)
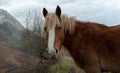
(83, 31)
(70, 37)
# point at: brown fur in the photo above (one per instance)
(93, 46)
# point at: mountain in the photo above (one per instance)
(12, 58)
(10, 28)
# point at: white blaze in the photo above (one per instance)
(51, 38)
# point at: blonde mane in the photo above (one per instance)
(68, 23)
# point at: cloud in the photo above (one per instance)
(2, 2)
(102, 11)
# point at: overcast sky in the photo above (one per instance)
(102, 11)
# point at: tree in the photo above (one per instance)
(33, 40)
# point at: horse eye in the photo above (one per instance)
(45, 28)
(59, 28)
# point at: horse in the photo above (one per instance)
(94, 47)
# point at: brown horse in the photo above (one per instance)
(94, 47)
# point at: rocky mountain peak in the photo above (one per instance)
(5, 17)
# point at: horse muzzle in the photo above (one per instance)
(53, 53)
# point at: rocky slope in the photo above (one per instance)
(10, 28)
(11, 58)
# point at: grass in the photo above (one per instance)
(64, 66)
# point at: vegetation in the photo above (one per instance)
(64, 66)
(32, 40)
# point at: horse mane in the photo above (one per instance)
(68, 23)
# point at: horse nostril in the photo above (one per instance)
(47, 51)
(56, 50)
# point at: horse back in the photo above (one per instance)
(109, 53)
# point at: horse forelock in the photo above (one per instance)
(51, 20)
(66, 22)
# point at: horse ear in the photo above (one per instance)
(58, 11)
(45, 12)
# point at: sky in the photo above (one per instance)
(101, 11)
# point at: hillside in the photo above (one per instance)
(5, 17)
(10, 29)
(11, 58)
